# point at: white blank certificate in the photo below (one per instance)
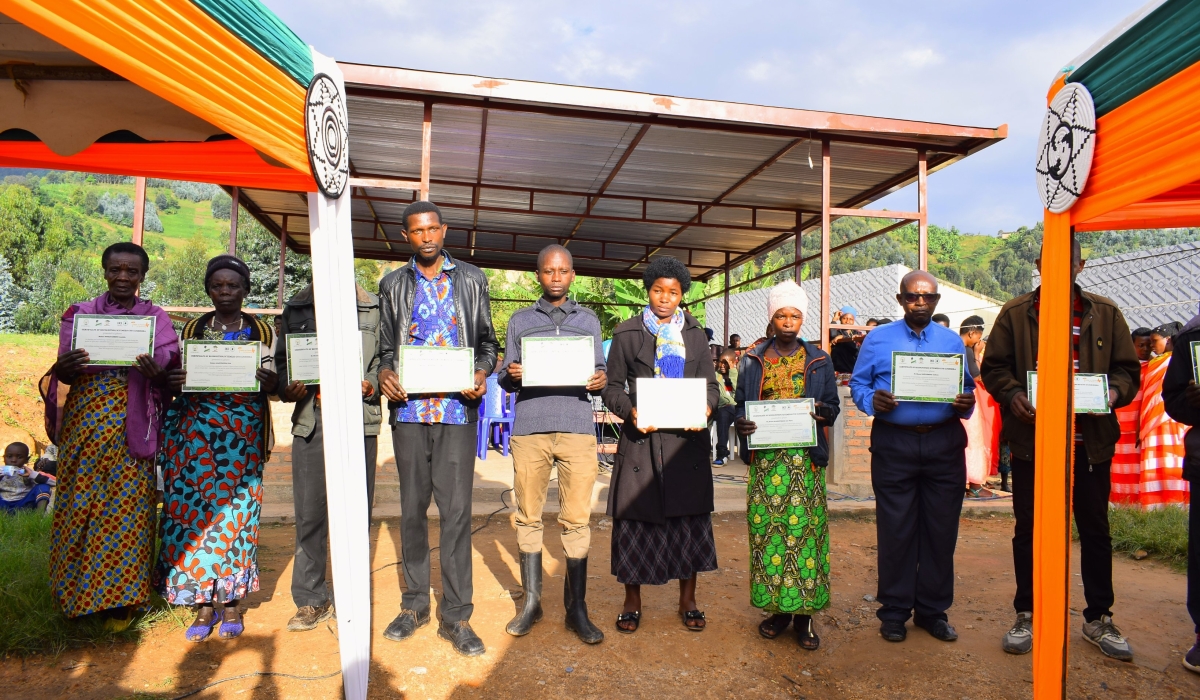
(782, 423)
(927, 376)
(302, 357)
(221, 365)
(672, 403)
(433, 369)
(113, 340)
(557, 360)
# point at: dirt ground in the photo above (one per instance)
(728, 659)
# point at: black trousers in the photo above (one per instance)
(1193, 572)
(919, 482)
(312, 513)
(436, 460)
(1090, 506)
(725, 416)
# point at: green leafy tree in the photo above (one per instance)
(10, 298)
(179, 280)
(21, 220)
(260, 250)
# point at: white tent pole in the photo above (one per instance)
(340, 345)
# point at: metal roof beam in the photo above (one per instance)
(591, 202)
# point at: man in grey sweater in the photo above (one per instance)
(554, 425)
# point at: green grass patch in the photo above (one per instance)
(32, 620)
(1162, 533)
(12, 341)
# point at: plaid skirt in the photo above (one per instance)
(652, 554)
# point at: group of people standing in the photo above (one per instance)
(116, 424)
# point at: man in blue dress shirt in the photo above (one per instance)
(918, 467)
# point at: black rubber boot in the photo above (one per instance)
(574, 597)
(531, 581)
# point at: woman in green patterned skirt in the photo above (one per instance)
(786, 509)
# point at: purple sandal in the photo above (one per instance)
(231, 630)
(200, 632)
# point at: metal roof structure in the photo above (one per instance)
(616, 176)
(1151, 287)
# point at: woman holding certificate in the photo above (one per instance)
(113, 352)
(661, 383)
(786, 394)
(215, 441)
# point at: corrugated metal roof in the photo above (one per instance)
(1151, 287)
(619, 174)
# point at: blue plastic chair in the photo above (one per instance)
(495, 418)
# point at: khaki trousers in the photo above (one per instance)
(533, 458)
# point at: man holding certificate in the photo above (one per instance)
(912, 377)
(300, 383)
(437, 347)
(1101, 345)
(554, 362)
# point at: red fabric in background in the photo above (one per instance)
(229, 162)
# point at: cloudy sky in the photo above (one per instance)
(972, 62)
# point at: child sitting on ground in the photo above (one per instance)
(22, 488)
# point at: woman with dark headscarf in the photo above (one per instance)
(661, 494)
(214, 448)
(102, 536)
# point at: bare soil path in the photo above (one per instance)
(662, 659)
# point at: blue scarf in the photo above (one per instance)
(669, 354)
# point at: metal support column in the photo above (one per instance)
(283, 232)
(426, 147)
(139, 209)
(825, 233)
(726, 322)
(923, 222)
(233, 220)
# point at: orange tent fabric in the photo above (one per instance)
(228, 162)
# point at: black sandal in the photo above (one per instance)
(774, 625)
(634, 617)
(690, 615)
(806, 633)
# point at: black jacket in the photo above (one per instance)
(819, 384)
(1175, 383)
(471, 303)
(667, 473)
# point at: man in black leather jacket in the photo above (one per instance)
(439, 301)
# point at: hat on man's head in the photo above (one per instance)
(786, 293)
(847, 309)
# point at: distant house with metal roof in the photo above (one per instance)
(872, 293)
(1151, 287)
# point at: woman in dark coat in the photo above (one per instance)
(661, 495)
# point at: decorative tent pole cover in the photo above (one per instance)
(1065, 147)
(327, 135)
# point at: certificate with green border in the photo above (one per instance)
(934, 377)
(434, 369)
(782, 423)
(221, 365)
(1091, 392)
(557, 360)
(1195, 361)
(113, 341)
(302, 358)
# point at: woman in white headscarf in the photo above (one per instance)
(786, 509)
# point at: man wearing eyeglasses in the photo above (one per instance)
(1101, 344)
(918, 467)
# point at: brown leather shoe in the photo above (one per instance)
(308, 617)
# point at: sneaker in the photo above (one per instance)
(1019, 639)
(718, 462)
(1191, 660)
(308, 617)
(1104, 634)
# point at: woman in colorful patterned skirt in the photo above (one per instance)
(786, 509)
(661, 494)
(102, 535)
(214, 448)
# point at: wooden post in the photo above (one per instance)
(233, 217)
(426, 147)
(139, 209)
(923, 222)
(825, 232)
(283, 232)
(726, 322)
(798, 256)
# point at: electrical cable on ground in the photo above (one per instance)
(252, 674)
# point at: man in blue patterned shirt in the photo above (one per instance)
(438, 301)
